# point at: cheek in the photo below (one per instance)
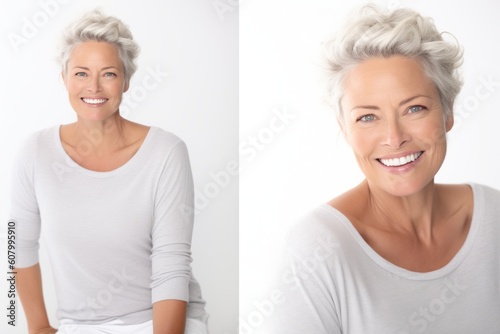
(72, 87)
(362, 140)
(435, 134)
(434, 142)
(116, 90)
(363, 144)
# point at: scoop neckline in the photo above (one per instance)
(451, 266)
(74, 165)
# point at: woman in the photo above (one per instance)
(397, 253)
(113, 198)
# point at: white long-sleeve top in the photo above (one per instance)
(118, 241)
(336, 283)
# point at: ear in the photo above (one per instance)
(126, 86)
(63, 77)
(450, 120)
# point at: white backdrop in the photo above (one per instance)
(189, 60)
(292, 156)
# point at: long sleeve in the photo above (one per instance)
(172, 228)
(24, 210)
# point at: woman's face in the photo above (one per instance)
(394, 122)
(95, 80)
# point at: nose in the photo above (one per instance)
(94, 84)
(395, 134)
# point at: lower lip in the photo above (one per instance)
(403, 168)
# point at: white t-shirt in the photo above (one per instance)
(337, 283)
(118, 241)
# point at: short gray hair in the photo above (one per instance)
(373, 33)
(95, 26)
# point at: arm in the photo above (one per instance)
(169, 317)
(171, 243)
(29, 288)
(24, 214)
(306, 302)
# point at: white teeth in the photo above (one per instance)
(94, 101)
(400, 161)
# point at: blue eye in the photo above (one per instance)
(414, 109)
(109, 74)
(80, 74)
(366, 118)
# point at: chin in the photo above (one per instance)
(402, 188)
(95, 116)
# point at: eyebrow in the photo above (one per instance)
(405, 101)
(88, 69)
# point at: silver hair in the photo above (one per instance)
(373, 33)
(95, 26)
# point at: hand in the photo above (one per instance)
(46, 330)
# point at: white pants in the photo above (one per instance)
(193, 326)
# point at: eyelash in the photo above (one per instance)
(83, 74)
(360, 119)
(416, 106)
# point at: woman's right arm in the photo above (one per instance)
(306, 287)
(25, 218)
(29, 288)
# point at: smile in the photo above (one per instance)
(94, 101)
(396, 162)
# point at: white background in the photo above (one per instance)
(289, 171)
(197, 100)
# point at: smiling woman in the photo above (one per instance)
(402, 249)
(111, 195)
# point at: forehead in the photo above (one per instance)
(93, 52)
(379, 80)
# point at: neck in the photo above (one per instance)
(413, 214)
(103, 136)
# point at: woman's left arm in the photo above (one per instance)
(169, 316)
(171, 241)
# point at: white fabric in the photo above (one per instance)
(118, 241)
(193, 326)
(337, 283)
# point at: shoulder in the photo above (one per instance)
(166, 149)
(485, 192)
(165, 139)
(473, 191)
(36, 142)
(322, 228)
(40, 136)
(486, 200)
